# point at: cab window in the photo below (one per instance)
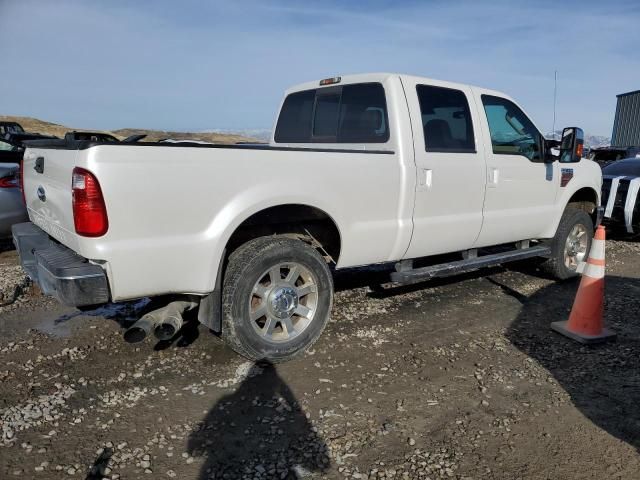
(512, 133)
(354, 113)
(446, 120)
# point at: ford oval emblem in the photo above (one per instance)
(41, 194)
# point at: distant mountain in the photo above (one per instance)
(590, 141)
(262, 134)
(49, 128)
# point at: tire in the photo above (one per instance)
(558, 265)
(259, 309)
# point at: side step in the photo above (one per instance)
(473, 263)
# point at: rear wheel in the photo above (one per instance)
(571, 244)
(277, 297)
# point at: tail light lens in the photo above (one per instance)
(89, 210)
(10, 181)
(21, 167)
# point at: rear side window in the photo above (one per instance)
(446, 120)
(354, 113)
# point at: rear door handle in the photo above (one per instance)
(494, 177)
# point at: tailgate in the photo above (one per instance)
(47, 188)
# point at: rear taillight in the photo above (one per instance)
(21, 167)
(10, 181)
(89, 211)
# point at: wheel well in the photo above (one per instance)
(307, 223)
(585, 199)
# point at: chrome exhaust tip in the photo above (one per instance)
(165, 322)
(169, 326)
(138, 331)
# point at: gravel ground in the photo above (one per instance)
(451, 379)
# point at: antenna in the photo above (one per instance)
(555, 95)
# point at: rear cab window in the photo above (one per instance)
(352, 113)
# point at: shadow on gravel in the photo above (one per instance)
(6, 245)
(603, 380)
(97, 470)
(123, 313)
(258, 431)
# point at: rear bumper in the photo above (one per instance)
(59, 271)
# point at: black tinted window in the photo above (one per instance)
(325, 118)
(339, 114)
(294, 123)
(363, 114)
(446, 120)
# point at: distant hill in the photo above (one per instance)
(263, 134)
(49, 128)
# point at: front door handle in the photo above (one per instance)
(426, 177)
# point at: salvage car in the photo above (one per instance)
(10, 127)
(363, 169)
(19, 138)
(620, 185)
(12, 208)
(603, 156)
(10, 152)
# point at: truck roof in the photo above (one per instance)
(382, 76)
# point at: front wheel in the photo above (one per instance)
(277, 297)
(571, 244)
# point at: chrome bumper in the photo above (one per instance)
(59, 271)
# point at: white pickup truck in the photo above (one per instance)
(361, 169)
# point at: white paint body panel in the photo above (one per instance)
(172, 209)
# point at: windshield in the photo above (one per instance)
(11, 128)
(607, 155)
(7, 147)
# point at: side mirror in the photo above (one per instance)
(571, 145)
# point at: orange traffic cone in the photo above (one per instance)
(585, 323)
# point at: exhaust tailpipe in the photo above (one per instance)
(165, 322)
(139, 330)
(168, 327)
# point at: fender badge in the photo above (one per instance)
(567, 175)
(41, 194)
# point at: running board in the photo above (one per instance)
(461, 266)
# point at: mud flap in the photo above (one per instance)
(210, 311)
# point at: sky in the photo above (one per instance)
(197, 64)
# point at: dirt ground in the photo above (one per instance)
(450, 379)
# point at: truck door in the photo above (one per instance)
(450, 168)
(521, 189)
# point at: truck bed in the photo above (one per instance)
(172, 207)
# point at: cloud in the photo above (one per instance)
(201, 64)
